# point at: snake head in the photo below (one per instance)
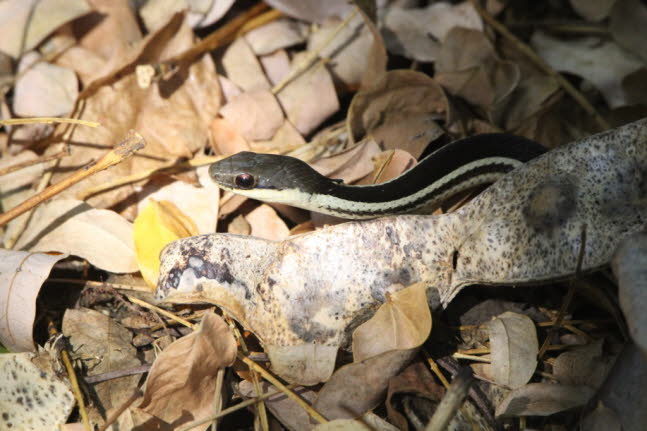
(267, 177)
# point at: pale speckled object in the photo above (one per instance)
(303, 294)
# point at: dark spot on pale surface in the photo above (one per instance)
(550, 204)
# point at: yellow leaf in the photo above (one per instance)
(158, 224)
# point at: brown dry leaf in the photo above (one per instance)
(346, 53)
(356, 388)
(603, 63)
(45, 90)
(583, 365)
(388, 165)
(368, 422)
(256, 115)
(592, 10)
(173, 118)
(399, 112)
(32, 396)
(286, 139)
(243, 68)
(266, 224)
(200, 13)
(415, 32)
(601, 419)
(229, 89)
(514, 348)
(21, 276)
(239, 226)
(15, 187)
(158, 224)
(226, 139)
(181, 384)
(102, 237)
(543, 399)
(25, 23)
(469, 67)
(627, 26)
(200, 204)
(304, 110)
(350, 165)
(312, 10)
(276, 65)
(105, 346)
(276, 35)
(403, 322)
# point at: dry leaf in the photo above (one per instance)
(266, 224)
(349, 165)
(403, 322)
(45, 90)
(200, 13)
(158, 224)
(388, 165)
(242, 67)
(275, 35)
(255, 114)
(303, 110)
(468, 66)
(360, 424)
(415, 32)
(226, 138)
(102, 237)
(399, 112)
(305, 363)
(200, 204)
(229, 89)
(173, 118)
(603, 63)
(21, 277)
(514, 348)
(276, 65)
(286, 410)
(312, 10)
(105, 346)
(25, 23)
(356, 388)
(181, 384)
(347, 52)
(543, 399)
(32, 396)
(287, 138)
(583, 365)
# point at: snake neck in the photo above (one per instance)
(457, 167)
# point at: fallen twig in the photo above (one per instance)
(126, 148)
(36, 161)
(452, 401)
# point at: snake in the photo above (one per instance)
(458, 166)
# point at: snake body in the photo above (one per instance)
(458, 166)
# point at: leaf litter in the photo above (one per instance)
(310, 80)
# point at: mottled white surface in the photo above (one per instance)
(527, 228)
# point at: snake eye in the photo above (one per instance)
(244, 181)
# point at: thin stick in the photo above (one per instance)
(434, 367)
(71, 375)
(122, 408)
(312, 56)
(139, 176)
(160, 311)
(452, 401)
(217, 398)
(273, 380)
(126, 148)
(232, 409)
(569, 295)
(47, 120)
(92, 283)
(36, 161)
(532, 56)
